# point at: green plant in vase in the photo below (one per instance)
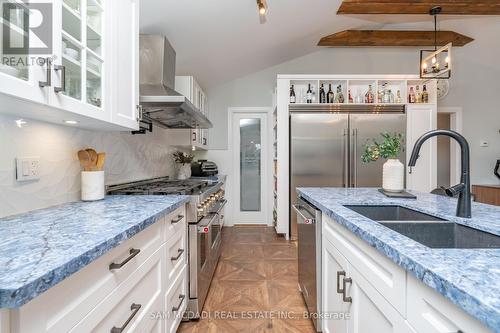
(393, 169)
(184, 162)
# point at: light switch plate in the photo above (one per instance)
(27, 168)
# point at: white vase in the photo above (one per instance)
(184, 171)
(393, 176)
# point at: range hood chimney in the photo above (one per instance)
(161, 104)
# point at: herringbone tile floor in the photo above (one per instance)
(255, 287)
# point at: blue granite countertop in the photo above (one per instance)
(41, 248)
(470, 278)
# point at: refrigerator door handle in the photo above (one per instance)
(345, 164)
(354, 160)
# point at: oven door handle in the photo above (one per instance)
(203, 226)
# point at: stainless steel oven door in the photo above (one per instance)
(201, 262)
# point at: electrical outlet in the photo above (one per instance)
(27, 168)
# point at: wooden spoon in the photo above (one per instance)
(84, 158)
(93, 158)
(101, 157)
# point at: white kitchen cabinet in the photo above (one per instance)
(369, 302)
(92, 73)
(99, 297)
(421, 119)
(336, 310)
(197, 137)
(430, 312)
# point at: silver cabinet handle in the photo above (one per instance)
(48, 79)
(63, 78)
(133, 253)
(176, 308)
(347, 299)
(177, 220)
(135, 308)
(339, 274)
(180, 252)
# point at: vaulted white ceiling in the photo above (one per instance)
(220, 40)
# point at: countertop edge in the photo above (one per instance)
(488, 316)
(10, 299)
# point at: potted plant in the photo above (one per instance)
(184, 162)
(393, 170)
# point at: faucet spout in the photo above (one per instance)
(462, 189)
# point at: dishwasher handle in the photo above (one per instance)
(307, 220)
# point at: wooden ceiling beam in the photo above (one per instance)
(349, 38)
(449, 7)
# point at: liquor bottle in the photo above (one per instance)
(418, 95)
(292, 95)
(330, 95)
(309, 94)
(313, 89)
(411, 96)
(369, 95)
(350, 97)
(322, 94)
(340, 96)
(425, 95)
(398, 97)
(391, 96)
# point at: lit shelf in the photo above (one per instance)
(93, 73)
(73, 63)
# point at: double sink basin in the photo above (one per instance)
(428, 230)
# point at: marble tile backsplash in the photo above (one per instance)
(128, 157)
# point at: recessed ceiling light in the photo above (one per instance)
(71, 122)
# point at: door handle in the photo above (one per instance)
(48, 78)
(177, 220)
(355, 158)
(339, 274)
(133, 253)
(135, 308)
(180, 252)
(63, 78)
(176, 308)
(347, 299)
(345, 165)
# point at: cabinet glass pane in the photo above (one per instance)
(72, 19)
(94, 26)
(72, 56)
(94, 82)
(250, 160)
(14, 22)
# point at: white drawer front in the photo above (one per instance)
(388, 278)
(176, 301)
(175, 221)
(143, 288)
(65, 304)
(430, 312)
(176, 259)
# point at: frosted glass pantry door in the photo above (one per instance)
(250, 150)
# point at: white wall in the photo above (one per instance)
(475, 85)
(129, 157)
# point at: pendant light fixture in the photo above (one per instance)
(436, 64)
(262, 7)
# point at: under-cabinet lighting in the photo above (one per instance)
(71, 122)
(21, 122)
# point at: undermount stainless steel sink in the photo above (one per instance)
(428, 230)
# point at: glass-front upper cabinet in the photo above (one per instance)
(24, 52)
(79, 70)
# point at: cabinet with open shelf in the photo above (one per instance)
(421, 117)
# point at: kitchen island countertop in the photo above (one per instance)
(39, 249)
(470, 278)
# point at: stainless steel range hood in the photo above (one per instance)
(160, 103)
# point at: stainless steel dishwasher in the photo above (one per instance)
(309, 254)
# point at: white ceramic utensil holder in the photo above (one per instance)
(92, 185)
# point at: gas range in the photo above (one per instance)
(205, 196)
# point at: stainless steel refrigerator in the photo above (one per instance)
(325, 150)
